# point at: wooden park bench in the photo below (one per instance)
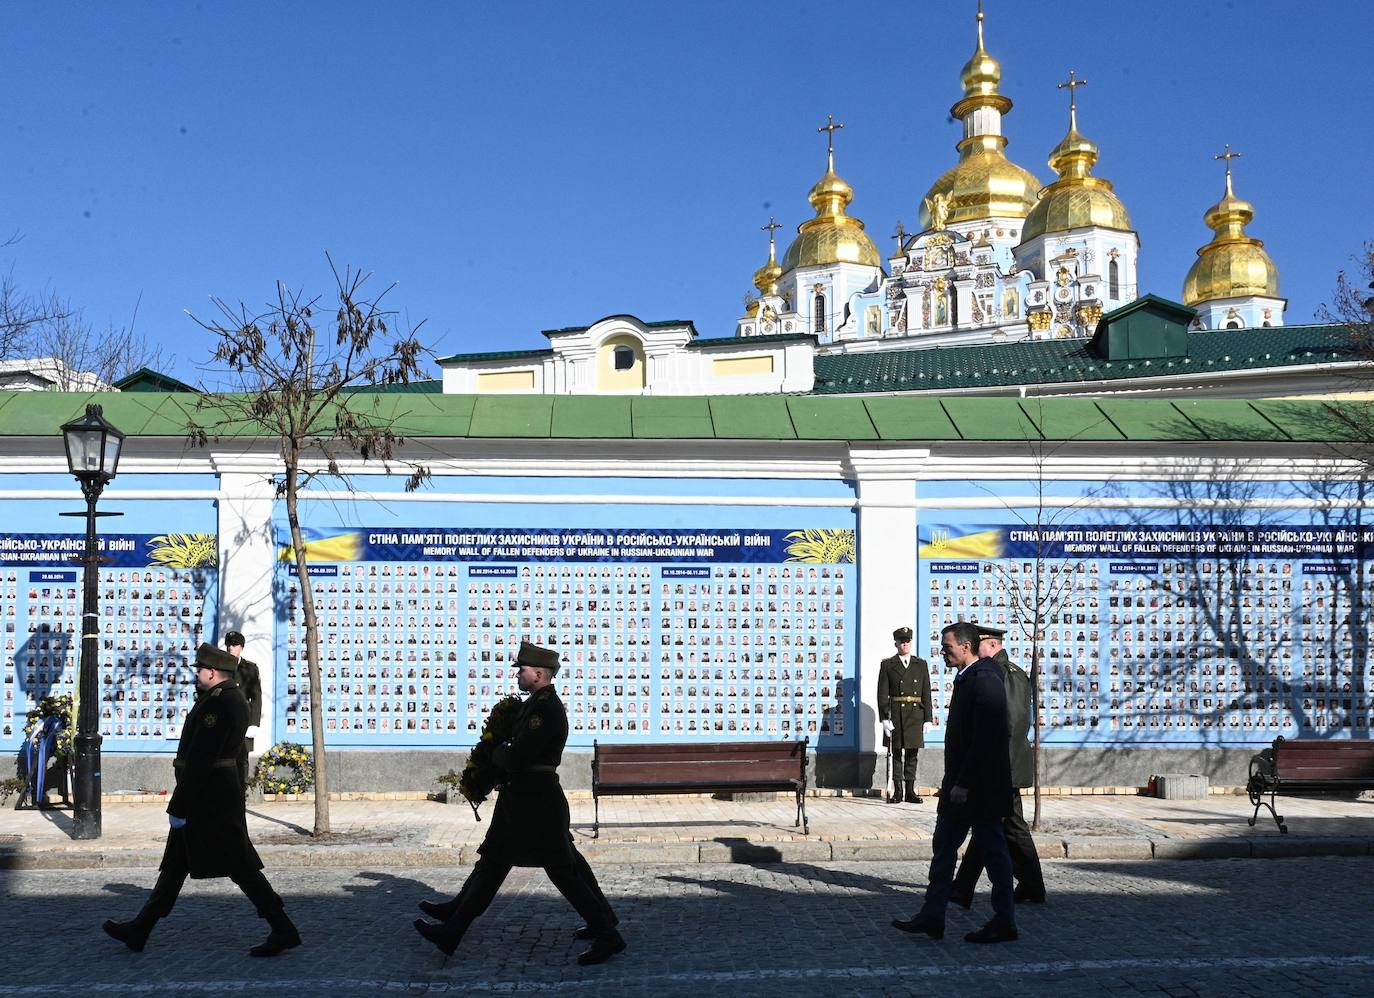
(1306, 766)
(710, 767)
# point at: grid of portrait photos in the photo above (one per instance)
(152, 620)
(1182, 650)
(413, 651)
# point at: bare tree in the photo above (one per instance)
(21, 314)
(297, 384)
(89, 359)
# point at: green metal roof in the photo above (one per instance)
(796, 417)
(661, 324)
(145, 379)
(500, 355)
(746, 341)
(1044, 362)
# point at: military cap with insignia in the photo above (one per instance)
(541, 658)
(902, 634)
(210, 657)
(986, 631)
(234, 638)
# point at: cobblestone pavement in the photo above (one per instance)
(1202, 927)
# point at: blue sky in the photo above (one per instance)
(514, 167)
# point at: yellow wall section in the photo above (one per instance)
(506, 381)
(729, 367)
(608, 379)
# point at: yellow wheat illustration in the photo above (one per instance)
(184, 550)
(821, 547)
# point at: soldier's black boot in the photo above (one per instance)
(446, 936)
(604, 946)
(282, 937)
(911, 795)
(440, 911)
(133, 933)
(896, 797)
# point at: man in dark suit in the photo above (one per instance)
(904, 710)
(975, 794)
(530, 825)
(1025, 861)
(209, 829)
(251, 684)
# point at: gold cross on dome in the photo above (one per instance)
(773, 224)
(830, 128)
(900, 235)
(1228, 155)
(1072, 84)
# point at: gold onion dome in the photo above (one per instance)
(984, 183)
(1233, 264)
(1077, 199)
(766, 277)
(832, 236)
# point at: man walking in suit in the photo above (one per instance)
(904, 710)
(530, 826)
(975, 794)
(1025, 861)
(209, 829)
(248, 680)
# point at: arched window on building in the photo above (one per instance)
(1114, 281)
(623, 358)
(818, 312)
(1233, 324)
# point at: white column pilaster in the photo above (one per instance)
(247, 558)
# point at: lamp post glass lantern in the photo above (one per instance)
(93, 447)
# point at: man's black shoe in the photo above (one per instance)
(439, 910)
(602, 949)
(895, 797)
(442, 936)
(133, 934)
(919, 925)
(963, 900)
(278, 941)
(585, 932)
(993, 932)
(918, 800)
(1023, 895)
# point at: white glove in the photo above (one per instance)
(888, 728)
(252, 731)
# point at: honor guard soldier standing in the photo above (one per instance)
(209, 829)
(251, 684)
(530, 825)
(1025, 861)
(904, 709)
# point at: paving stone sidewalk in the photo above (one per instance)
(706, 830)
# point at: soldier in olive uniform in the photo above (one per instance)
(1025, 861)
(251, 684)
(209, 829)
(904, 709)
(530, 825)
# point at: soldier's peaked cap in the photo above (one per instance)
(902, 634)
(541, 658)
(210, 657)
(985, 631)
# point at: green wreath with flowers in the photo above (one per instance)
(55, 706)
(480, 775)
(299, 769)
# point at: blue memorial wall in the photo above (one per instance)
(675, 622)
(1165, 626)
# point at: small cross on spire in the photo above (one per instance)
(900, 235)
(772, 226)
(1072, 84)
(1228, 155)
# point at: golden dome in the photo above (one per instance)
(766, 277)
(832, 236)
(984, 183)
(1233, 264)
(1077, 199)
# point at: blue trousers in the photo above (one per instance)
(991, 841)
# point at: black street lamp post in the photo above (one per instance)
(93, 447)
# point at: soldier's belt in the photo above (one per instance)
(904, 700)
(220, 763)
(536, 769)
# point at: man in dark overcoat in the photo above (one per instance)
(975, 794)
(250, 682)
(530, 824)
(904, 710)
(1025, 861)
(209, 827)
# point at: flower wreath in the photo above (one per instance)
(480, 775)
(289, 756)
(59, 706)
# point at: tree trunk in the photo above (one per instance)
(1035, 725)
(312, 648)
